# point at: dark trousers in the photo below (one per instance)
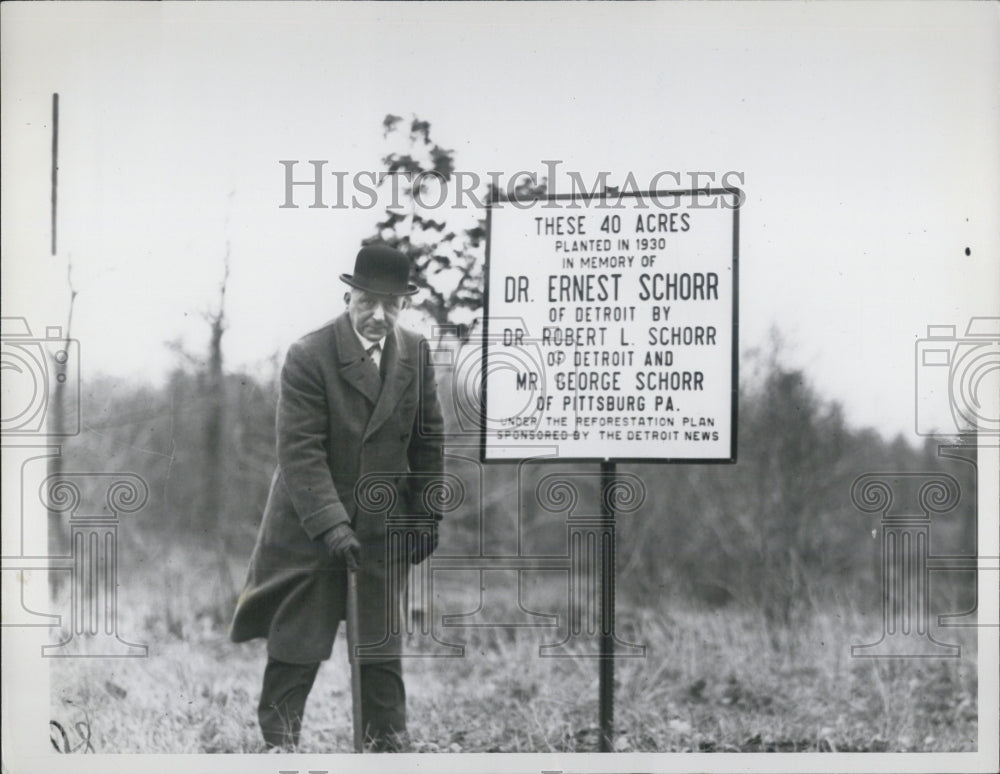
(286, 688)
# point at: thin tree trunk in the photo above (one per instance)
(212, 502)
(57, 428)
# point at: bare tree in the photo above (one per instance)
(212, 495)
(56, 417)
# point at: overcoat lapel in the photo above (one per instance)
(354, 366)
(398, 375)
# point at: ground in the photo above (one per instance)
(711, 680)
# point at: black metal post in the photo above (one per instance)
(55, 164)
(606, 680)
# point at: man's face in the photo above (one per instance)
(373, 315)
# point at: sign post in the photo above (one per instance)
(606, 677)
(610, 335)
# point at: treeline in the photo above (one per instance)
(776, 531)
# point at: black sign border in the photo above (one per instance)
(527, 202)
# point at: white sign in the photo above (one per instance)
(611, 328)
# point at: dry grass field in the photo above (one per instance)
(711, 681)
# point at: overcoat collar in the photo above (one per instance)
(398, 364)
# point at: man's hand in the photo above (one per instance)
(341, 543)
(423, 548)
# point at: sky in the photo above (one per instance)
(865, 137)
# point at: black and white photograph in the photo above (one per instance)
(500, 386)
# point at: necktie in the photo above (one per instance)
(374, 353)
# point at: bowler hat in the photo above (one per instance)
(381, 269)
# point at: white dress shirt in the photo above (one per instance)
(376, 354)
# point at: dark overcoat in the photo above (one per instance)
(338, 423)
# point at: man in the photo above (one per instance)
(357, 399)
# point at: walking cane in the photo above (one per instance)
(352, 643)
